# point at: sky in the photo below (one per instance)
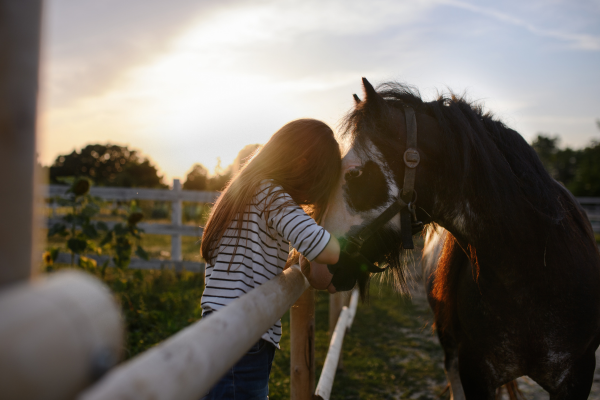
(189, 81)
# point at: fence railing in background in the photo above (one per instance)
(175, 229)
(591, 205)
(344, 323)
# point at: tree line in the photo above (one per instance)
(113, 165)
(577, 169)
(119, 166)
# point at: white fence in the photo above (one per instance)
(175, 229)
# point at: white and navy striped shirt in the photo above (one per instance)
(262, 250)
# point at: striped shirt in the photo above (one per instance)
(262, 250)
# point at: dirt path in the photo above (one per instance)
(530, 389)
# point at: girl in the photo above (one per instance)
(253, 225)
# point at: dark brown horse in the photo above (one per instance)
(512, 267)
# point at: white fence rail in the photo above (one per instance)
(175, 229)
(113, 193)
(591, 205)
(344, 323)
(138, 263)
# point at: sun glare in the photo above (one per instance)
(197, 102)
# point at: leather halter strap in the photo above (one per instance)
(411, 161)
(411, 155)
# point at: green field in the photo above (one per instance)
(390, 352)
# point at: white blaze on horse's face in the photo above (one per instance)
(340, 216)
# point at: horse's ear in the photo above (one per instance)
(370, 93)
(356, 98)
(373, 100)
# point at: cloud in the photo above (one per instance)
(86, 45)
(579, 41)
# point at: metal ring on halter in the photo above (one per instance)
(414, 199)
(412, 206)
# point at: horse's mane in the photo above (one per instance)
(480, 155)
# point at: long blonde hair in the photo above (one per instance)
(302, 157)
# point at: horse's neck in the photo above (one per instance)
(490, 231)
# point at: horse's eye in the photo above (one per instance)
(353, 173)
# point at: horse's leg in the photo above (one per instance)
(434, 243)
(450, 352)
(451, 367)
(453, 375)
(476, 376)
(578, 382)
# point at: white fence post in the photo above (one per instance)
(176, 220)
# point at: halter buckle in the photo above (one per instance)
(412, 158)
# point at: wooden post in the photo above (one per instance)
(57, 335)
(336, 303)
(176, 220)
(19, 59)
(302, 347)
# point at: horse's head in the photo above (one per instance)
(374, 174)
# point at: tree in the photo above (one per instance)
(561, 164)
(587, 178)
(578, 170)
(220, 178)
(107, 165)
(197, 178)
(223, 175)
(546, 148)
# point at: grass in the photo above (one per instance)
(156, 304)
(390, 352)
(157, 246)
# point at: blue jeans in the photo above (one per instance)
(249, 378)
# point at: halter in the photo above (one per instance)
(404, 204)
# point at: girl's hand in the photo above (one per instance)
(331, 289)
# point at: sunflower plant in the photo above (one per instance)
(86, 236)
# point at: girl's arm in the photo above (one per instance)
(330, 254)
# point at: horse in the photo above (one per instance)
(510, 263)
